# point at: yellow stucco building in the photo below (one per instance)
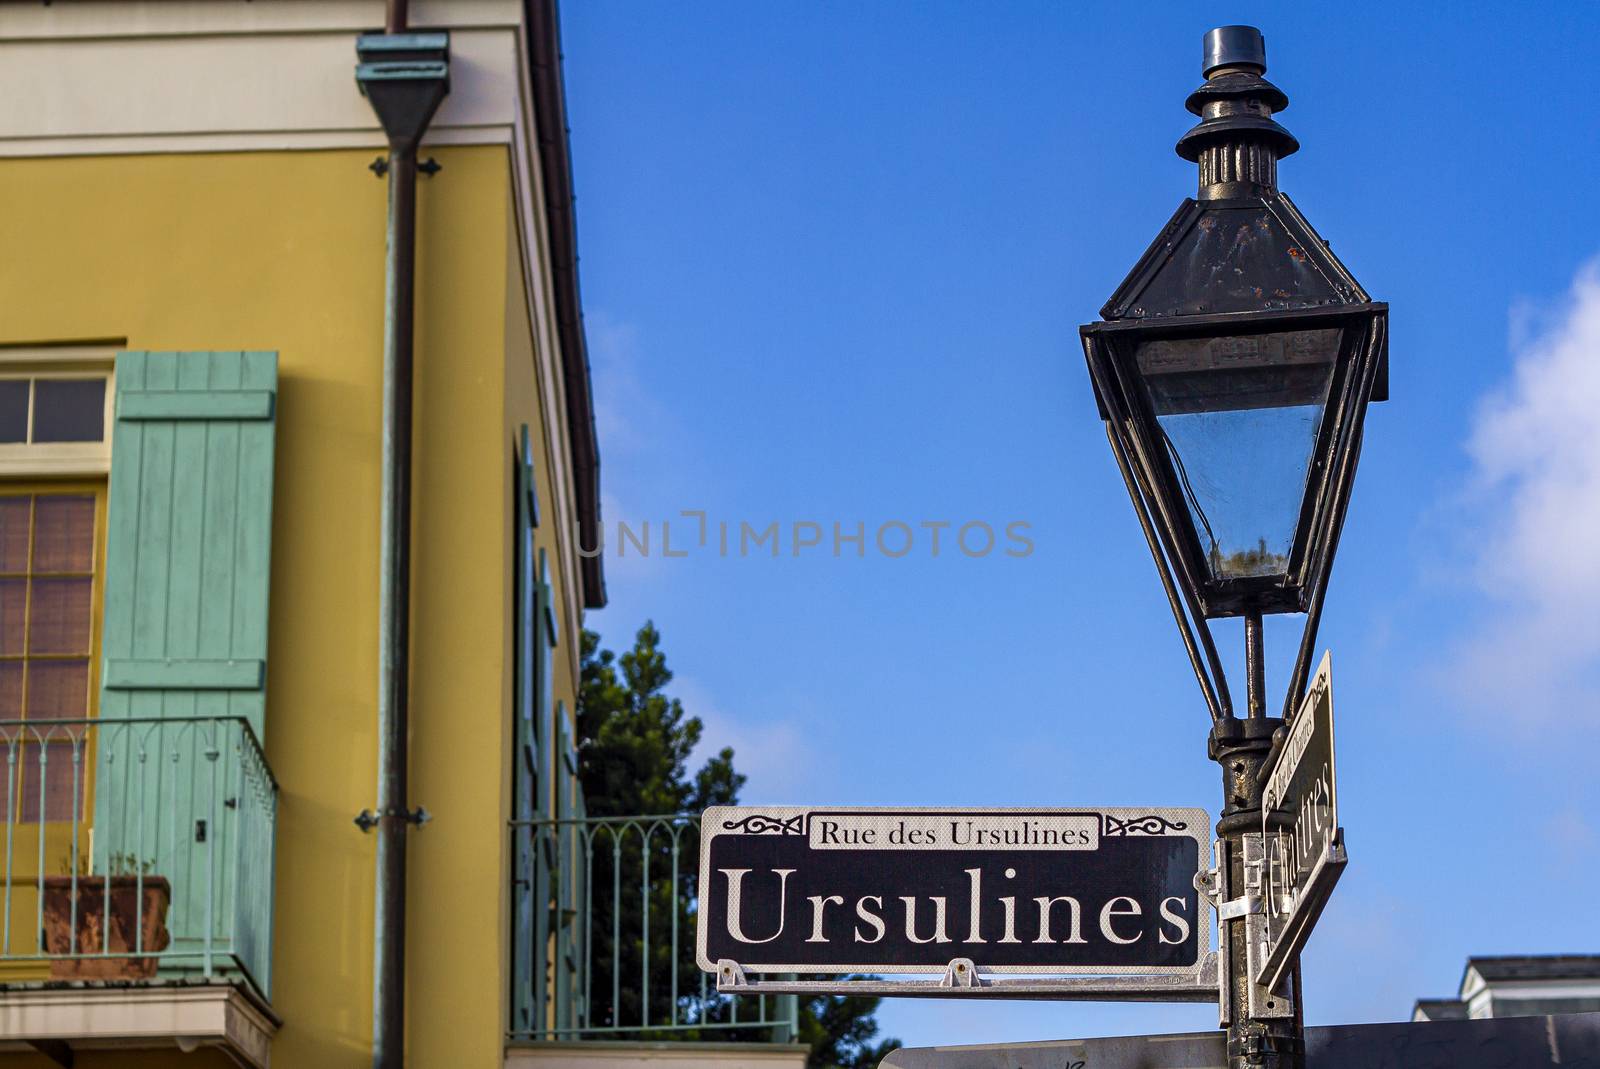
(192, 299)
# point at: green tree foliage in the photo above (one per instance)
(635, 742)
(842, 1033)
(634, 746)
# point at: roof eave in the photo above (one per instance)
(555, 164)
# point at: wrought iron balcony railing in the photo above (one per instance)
(136, 849)
(603, 937)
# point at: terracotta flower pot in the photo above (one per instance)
(100, 930)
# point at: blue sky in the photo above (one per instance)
(833, 261)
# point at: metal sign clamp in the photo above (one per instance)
(1250, 902)
(1208, 882)
(1212, 893)
(961, 972)
(1240, 907)
(1265, 1003)
(730, 975)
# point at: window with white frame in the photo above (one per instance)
(55, 450)
(55, 411)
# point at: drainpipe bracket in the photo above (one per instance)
(366, 820)
(380, 166)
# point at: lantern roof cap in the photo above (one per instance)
(1233, 46)
(1253, 254)
(1247, 257)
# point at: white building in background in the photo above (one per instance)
(1520, 985)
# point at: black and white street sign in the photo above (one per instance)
(1304, 845)
(1064, 891)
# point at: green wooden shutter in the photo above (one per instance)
(571, 858)
(546, 885)
(184, 640)
(561, 907)
(540, 787)
(529, 879)
(188, 536)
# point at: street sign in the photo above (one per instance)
(1303, 843)
(1564, 1041)
(967, 892)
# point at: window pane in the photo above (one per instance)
(10, 770)
(13, 410)
(63, 536)
(58, 616)
(15, 515)
(1240, 416)
(11, 735)
(13, 614)
(69, 410)
(59, 766)
(58, 690)
(10, 692)
(1243, 475)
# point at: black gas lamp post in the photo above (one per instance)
(1233, 368)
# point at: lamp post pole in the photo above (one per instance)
(1264, 1030)
(1237, 158)
(1242, 747)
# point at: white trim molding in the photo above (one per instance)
(156, 1017)
(220, 91)
(623, 1055)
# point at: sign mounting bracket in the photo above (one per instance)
(963, 978)
(1266, 999)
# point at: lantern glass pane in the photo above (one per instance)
(1239, 417)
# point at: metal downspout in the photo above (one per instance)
(394, 621)
(404, 76)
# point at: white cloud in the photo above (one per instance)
(1377, 935)
(642, 446)
(629, 419)
(1536, 452)
(613, 360)
(1569, 842)
(625, 565)
(778, 757)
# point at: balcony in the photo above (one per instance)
(603, 968)
(137, 905)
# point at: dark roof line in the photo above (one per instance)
(555, 165)
(1533, 967)
(1441, 1009)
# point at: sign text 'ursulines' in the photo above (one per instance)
(1300, 830)
(910, 890)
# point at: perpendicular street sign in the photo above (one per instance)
(1304, 845)
(970, 893)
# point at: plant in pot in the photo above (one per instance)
(116, 912)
